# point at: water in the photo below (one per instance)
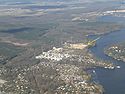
(16, 30)
(112, 80)
(46, 7)
(112, 19)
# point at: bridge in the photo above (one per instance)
(93, 42)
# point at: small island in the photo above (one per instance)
(116, 51)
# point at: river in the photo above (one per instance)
(112, 80)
